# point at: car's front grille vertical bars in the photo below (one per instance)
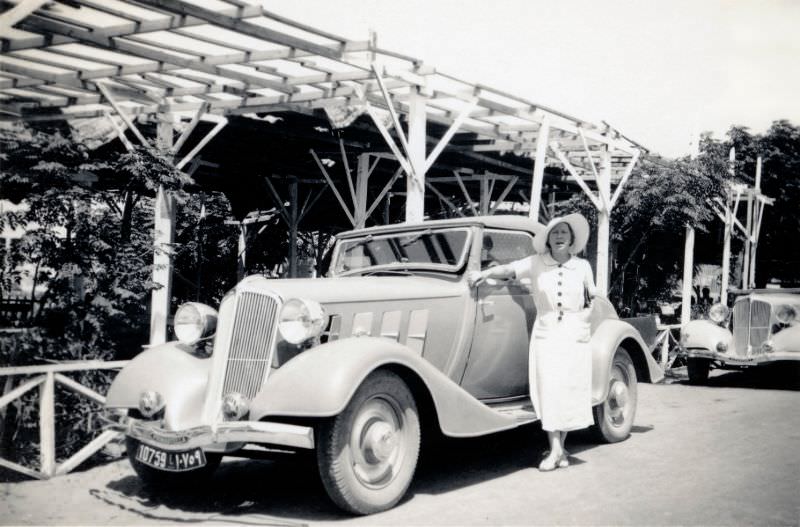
(741, 323)
(251, 344)
(759, 323)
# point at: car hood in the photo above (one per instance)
(358, 288)
(777, 299)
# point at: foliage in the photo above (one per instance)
(88, 219)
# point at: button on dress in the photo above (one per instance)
(560, 356)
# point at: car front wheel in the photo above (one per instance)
(368, 453)
(613, 419)
(697, 369)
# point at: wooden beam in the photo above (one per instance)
(11, 17)
(506, 190)
(573, 173)
(47, 425)
(107, 94)
(86, 452)
(240, 25)
(348, 173)
(190, 127)
(626, 174)
(540, 160)
(384, 190)
(21, 389)
(162, 266)
(333, 188)
(79, 388)
(221, 122)
(395, 119)
(466, 194)
(444, 198)
(389, 141)
(415, 182)
(440, 146)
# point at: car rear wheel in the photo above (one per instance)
(173, 481)
(367, 454)
(613, 419)
(698, 369)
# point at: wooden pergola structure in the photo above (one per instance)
(179, 63)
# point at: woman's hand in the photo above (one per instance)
(474, 278)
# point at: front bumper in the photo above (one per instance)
(218, 434)
(755, 360)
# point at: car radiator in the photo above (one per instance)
(252, 343)
(750, 326)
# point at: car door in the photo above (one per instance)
(497, 366)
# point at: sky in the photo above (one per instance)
(660, 72)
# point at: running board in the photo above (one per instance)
(522, 411)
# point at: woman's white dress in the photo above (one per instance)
(560, 357)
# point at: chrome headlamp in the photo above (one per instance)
(300, 320)
(235, 406)
(150, 403)
(718, 313)
(194, 321)
(786, 314)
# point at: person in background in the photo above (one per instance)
(560, 358)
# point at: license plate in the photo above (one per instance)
(171, 461)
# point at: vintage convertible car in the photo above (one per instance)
(393, 344)
(765, 328)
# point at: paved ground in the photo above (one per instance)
(725, 454)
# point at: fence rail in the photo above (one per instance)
(45, 378)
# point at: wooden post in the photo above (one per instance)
(538, 168)
(162, 266)
(688, 268)
(415, 187)
(747, 241)
(603, 225)
(241, 261)
(485, 197)
(362, 180)
(47, 425)
(726, 243)
(726, 253)
(759, 208)
(293, 228)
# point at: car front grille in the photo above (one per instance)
(251, 343)
(759, 323)
(750, 325)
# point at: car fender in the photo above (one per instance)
(169, 369)
(319, 382)
(704, 335)
(787, 340)
(608, 336)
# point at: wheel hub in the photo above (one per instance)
(379, 442)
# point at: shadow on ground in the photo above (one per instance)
(775, 376)
(289, 491)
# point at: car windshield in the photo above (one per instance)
(439, 249)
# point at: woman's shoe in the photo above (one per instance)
(549, 463)
(563, 461)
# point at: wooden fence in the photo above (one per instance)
(45, 378)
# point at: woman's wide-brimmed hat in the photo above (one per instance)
(580, 231)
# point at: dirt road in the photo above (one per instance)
(725, 454)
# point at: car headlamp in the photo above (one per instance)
(194, 321)
(786, 314)
(235, 406)
(150, 403)
(722, 347)
(300, 320)
(718, 313)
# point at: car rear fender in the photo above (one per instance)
(320, 382)
(610, 335)
(705, 335)
(180, 377)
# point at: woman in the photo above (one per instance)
(560, 359)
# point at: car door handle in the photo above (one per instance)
(486, 302)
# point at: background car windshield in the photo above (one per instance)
(420, 248)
